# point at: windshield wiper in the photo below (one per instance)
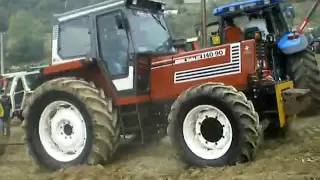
(158, 21)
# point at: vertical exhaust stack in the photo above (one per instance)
(204, 23)
(2, 52)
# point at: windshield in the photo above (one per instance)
(149, 31)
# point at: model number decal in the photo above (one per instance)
(211, 54)
(205, 55)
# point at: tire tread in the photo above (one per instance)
(106, 128)
(242, 107)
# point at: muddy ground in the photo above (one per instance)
(296, 158)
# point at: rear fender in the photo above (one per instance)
(67, 69)
(288, 46)
(88, 70)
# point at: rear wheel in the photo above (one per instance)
(67, 122)
(304, 71)
(214, 125)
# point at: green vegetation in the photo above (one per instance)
(28, 24)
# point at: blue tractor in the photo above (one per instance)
(281, 52)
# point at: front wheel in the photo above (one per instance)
(214, 125)
(68, 123)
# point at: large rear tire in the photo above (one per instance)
(68, 122)
(200, 112)
(303, 70)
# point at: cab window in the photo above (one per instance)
(74, 38)
(113, 44)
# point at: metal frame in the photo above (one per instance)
(12, 93)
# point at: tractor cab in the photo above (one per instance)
(257, 19)
(115, 33)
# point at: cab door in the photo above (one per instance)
(115, 51)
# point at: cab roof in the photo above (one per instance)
(109, 4)
(89, 9)
(244, 6)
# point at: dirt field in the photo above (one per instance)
(295, 158)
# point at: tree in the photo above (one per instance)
(4, 19)
(26, 41)
(179, 1)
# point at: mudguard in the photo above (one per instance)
(288, 46)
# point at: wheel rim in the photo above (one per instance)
(62, 131)
(207, 132)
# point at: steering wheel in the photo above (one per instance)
(163, 46)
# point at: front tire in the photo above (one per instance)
(303, 70)
(211, 115)
(68, 122)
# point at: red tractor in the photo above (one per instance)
(115, 72)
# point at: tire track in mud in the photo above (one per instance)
(294, 158)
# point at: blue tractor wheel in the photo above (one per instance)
(304, 71)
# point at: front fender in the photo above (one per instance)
(288, 46)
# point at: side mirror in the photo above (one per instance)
(198, 29)
(289, 11)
